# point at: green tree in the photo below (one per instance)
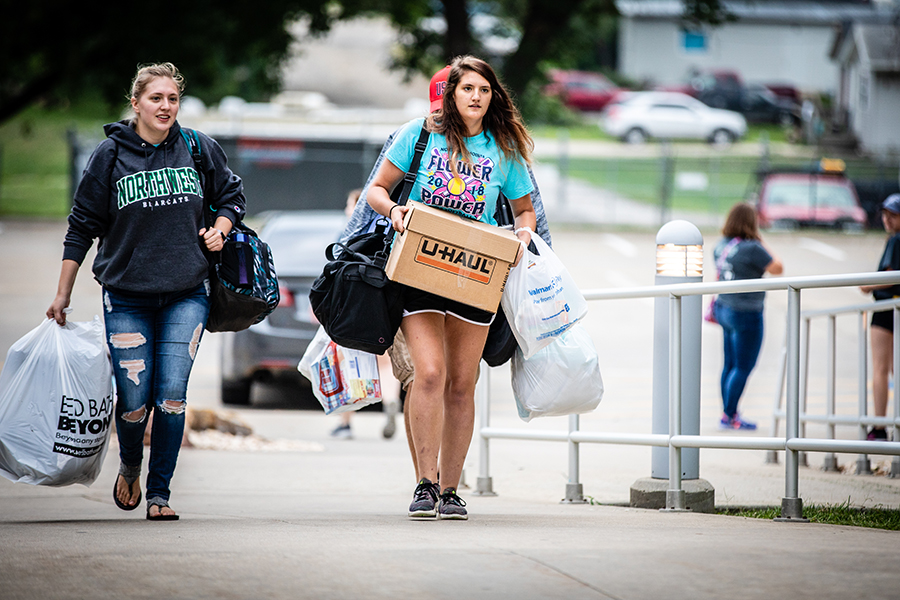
(55, 49)
(546, 31)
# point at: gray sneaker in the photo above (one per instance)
(424, 500)
(452, 506)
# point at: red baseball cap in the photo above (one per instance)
(436, 88)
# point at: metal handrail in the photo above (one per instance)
(792, 444)
(861, 420)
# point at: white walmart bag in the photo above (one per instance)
(561, 379)
(56, 405)
(342, 379)
(540, 299)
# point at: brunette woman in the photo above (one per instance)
(742, 255)
(478, 147)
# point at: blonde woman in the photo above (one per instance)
(140, 195)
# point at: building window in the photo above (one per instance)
(693, 41)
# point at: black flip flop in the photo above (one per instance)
(120, 504)
(160, 516)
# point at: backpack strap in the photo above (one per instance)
(723, 257)
(409, 179)
(401, 193)
(193, 142)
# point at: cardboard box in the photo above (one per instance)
(453, 256)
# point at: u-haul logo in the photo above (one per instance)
(453, 259)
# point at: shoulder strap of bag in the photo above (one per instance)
(403, 190)
(409, 179)
(720, 263)
(503, 213)
(193, 142)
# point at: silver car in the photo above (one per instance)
(272, 348)
(670, 115)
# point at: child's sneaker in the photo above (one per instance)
(342, 432)
(452, 506)
(424, 499)
(725, 422)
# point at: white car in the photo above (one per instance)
(670, 115)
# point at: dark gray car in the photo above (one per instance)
(272, 348)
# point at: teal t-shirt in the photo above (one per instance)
(474, 193)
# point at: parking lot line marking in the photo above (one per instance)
(620, 245)
(826, 250)
(617, 279)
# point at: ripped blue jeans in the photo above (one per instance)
(153, 339)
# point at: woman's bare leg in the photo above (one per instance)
(463, 345)
(424, 334)
(882, 342)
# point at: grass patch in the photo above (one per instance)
(832, 514)
(585, 131)
(724, 179)
(589, 129)
(34, 157)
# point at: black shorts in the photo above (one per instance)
(884, 319)
(418, 301)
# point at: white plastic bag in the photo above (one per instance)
(540, 299)
(561, 379)
(313, 350)
(342, 379)
(56, 405)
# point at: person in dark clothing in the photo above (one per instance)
(142, 198)
(881, 335)
(742, 255)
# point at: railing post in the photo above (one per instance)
(863, 467)
(675, 496)
(895, 463)
(484, 485)
(831, 349)
(574, 488)
(792, 504)
(772, 455)
(804, 384)
(563, 167)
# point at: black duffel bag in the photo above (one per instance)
(353, 299)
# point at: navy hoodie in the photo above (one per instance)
(145, 205)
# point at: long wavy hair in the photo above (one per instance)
(741, 222)
(502, 120)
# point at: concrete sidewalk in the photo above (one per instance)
(329, 521)
(308, 516)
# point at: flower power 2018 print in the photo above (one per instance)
(463, 195)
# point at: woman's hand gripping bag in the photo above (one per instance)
(561, 379)
(541, 300)
(342, 379)
(56, 405)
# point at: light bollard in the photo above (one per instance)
(679, 259)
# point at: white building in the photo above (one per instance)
(868, 59)
(771, 41)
